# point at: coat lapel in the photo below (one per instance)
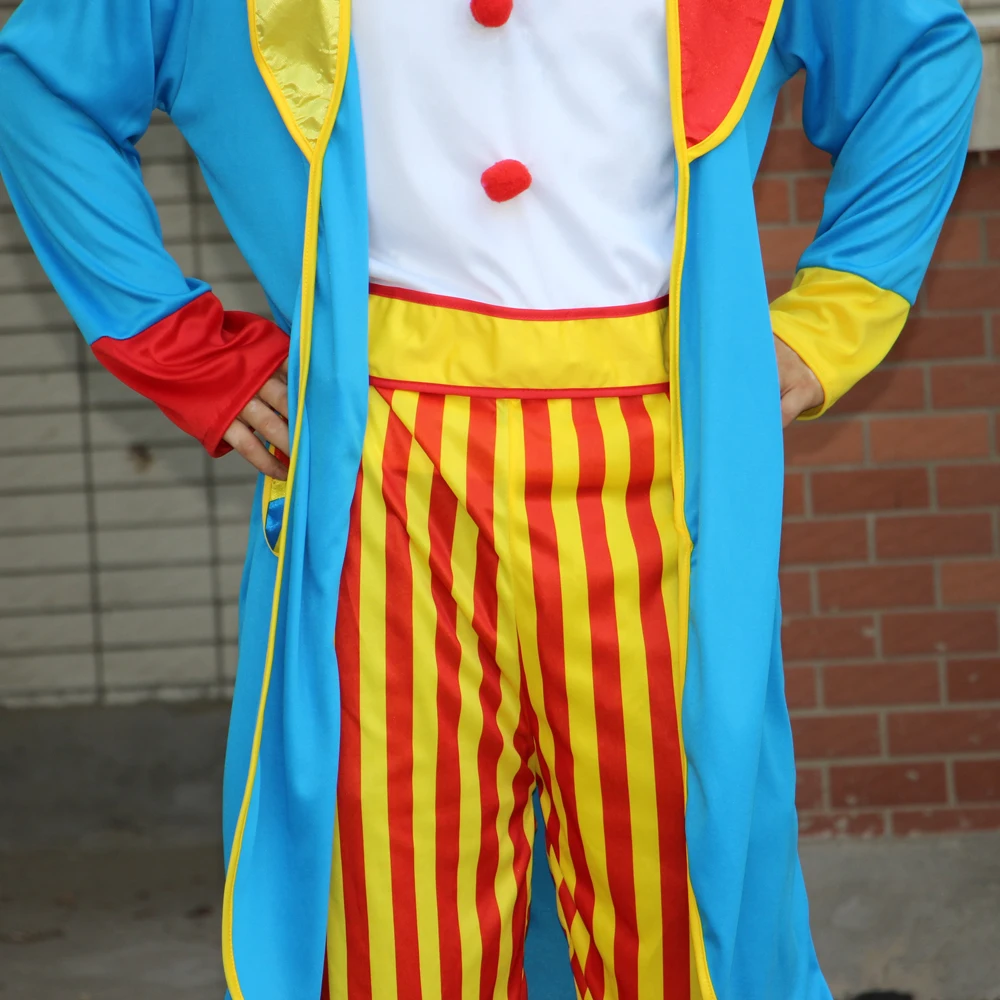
(301, 49)
(722, 46)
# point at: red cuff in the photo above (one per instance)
(201, 365)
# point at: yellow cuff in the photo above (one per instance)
(841, 325)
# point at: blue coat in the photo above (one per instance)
(270, 105)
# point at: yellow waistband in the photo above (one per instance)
(432, 342)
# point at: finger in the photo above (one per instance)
(282, 372)
(274, 392)
(794, 403)
(794, 373)
(258, 415)
(243, 441)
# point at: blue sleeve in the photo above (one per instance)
(78, 83)
(890, 91)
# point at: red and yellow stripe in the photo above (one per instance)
(505, 620)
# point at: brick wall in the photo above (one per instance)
(121, 544)
(891, 578)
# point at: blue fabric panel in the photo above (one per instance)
(78, 83)
(890, 90)
(741, 821)
(546, 951)
(283, 880)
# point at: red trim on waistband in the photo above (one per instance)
(503, 312)
(488, 392)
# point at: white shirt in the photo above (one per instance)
(577, 91)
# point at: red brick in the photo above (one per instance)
(795, 494)
(869, 490)
(961, 239)
(963, 288)
(968, 485)
(772, 197)
(809, 788)
(868, 684)
(867, 785)
(909, 536)
(971, 582)
(796, 595)
(828, 638)
(800, 687)
(939, 632)
(793, 94)
(993, 238)
(809, 194)
(930, 338)
(914, 439)
(966, 386)
(777, 285)
(876, 587)
(979, 190)
(825, 541)
(977, 780)
(783, 246)
(886, 390)
(909, 822)
(961, 730)
(789, 149)
(974, 680)
(842, 825)
(825, 442)
(822, 737)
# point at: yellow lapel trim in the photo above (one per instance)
(701, 979)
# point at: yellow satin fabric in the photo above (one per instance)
(433, 344)
(840, 324)
(297, 44)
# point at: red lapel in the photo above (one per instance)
(719, 40)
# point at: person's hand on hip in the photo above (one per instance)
(800, 389)
(267, 415)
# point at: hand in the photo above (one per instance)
(800, 389)
(267, 414)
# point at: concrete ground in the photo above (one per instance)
(918, 917)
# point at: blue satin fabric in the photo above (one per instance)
(889, 95)
(273, 519)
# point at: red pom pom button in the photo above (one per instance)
(492, 13)
(505, 180)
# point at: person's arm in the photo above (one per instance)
(78, 83)
(890, 92)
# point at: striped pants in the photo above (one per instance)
(505, 617)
